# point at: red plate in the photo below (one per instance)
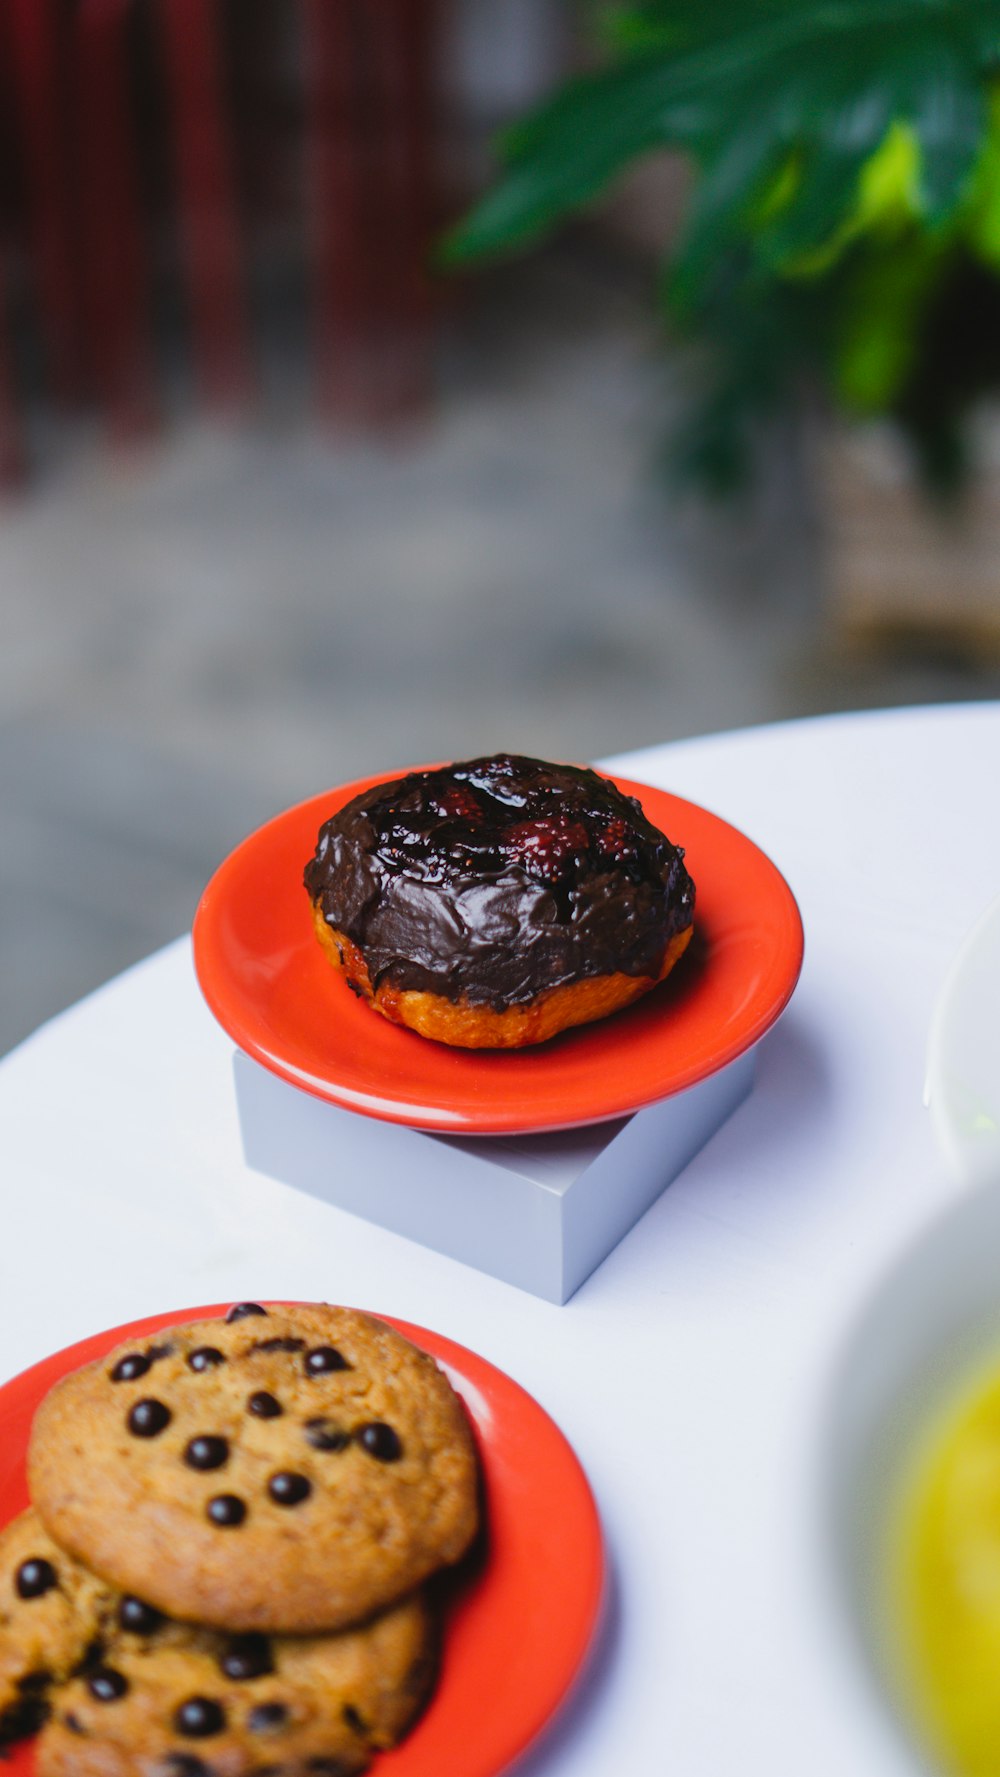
(271, 987)
(528, 1612)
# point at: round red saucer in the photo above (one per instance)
(270, 986)
(522, 1617)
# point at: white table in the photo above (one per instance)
(690, 1372)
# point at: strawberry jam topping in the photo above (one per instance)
(496, 879)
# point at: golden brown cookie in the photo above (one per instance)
(187, 1702)
(51, 1611)
(283, 1469)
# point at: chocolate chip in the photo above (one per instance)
(138, 1617)
(155, 1352)
(35, 1577)
(264, 1405)
(107, 1685)
(199, 1717)
(206, 1452)
(323, 1359)
(91, 1658)
(267, 1715)
(355, 1722)
(242, 1309)
(205, 1358)
(184, 1764)
(148, 1418)
(380, 1441)
(287, 1489)
(278, 1345)
(131, 1367)
(322, 1434)
(22, 1717)
(247, 1656)
(74, 1723)
(227, 1510)
(39, 1680)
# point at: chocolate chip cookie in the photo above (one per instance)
(282, 1469)
(187, 1702)
(51, 1611)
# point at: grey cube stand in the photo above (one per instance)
(539, 1211)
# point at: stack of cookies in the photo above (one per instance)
(222, 1571)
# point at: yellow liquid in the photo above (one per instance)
(946, 1584)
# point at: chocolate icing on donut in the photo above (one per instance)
(494, 880)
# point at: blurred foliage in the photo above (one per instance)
(843, 230)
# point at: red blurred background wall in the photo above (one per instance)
(180, 180)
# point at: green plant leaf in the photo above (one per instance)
(889, 186)
(882, 298)
(741, 87)
(732, 182)
(564, 154)
(942, 95)
(831, 167)
(984, 207)
(844, 152)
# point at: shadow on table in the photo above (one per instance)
(573, 1722)
(792, 1093)
(794, 1076)
(783, 1120)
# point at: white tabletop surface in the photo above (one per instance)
(690, 1372)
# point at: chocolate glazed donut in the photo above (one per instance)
(494, 902)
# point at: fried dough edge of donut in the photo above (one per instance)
(464, 1026)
